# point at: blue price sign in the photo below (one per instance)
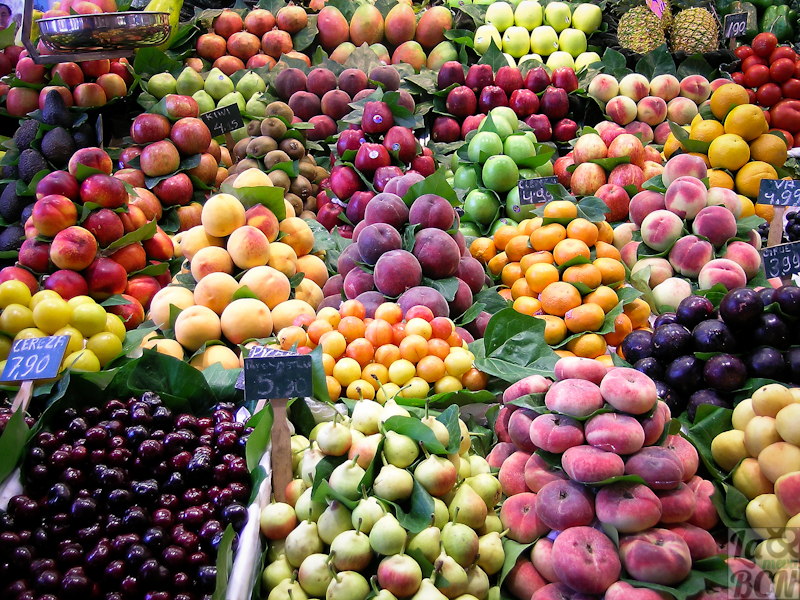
(270, 373)
(36, 358)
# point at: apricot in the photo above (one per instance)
(310, 292)
(215, 354)
(222, 214)
(284, 314)
(211, 260)
(270, 285)
(195, 326)
(314, 269)
(215, 291)
(245, 319)
(248, 247)
(165, 346)
(283, 258)
(298, 235)
(180, 297)
(197, 238)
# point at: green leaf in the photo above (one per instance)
(271, 197)
(614, 64)
(628, 294)
(222, 383)
(655, 184)
(491, 300)
(318, 381)
(82, 172)
(12, 443)
(243, 292)
(224, 563)
(512, 551)
(696, 65)
(115, 300)
(258, 440)
(609, 163)
(748, 224)
(152, 270)
(305, 37)
(418, 432)
(446, 287)
(421, 509)
(150, 61)
(433, 184)
(470, 314)
(272, 6)
(708, 424)
(30, 189)
(346, 7)
(656, 62)
(494, 57)
(139, 235)
(362, 58)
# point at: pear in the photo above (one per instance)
(387, 536)
(436, 474)
(288, 589)
(428, 541)
(491, 524)
(306, 508)
(364, 450)
(250, 84)
(218, 85)
(314, 575)
(333, 521)
(308, 466)
(392, 409)
(346, 479)
(366, 514)
(441, 515)
(232, 98)
(439, 429)
(303, 541)
(356, 436)
(276, 549)
(494, 593)
(348, 585)
(299, 445)
(478, 465)
(255, 107)
(204, 101)
(491, 554)
(454, 580)
(466, 441)
(487, 487)
(276, 571)
(466, 597)
(461, 543)
(467, 507)
(189, 82)
(365, 417)
(400, 450)
(400, 574)
(380, 594)
(464, 468)
(477, 582)
(455, 459)
(428, 591)
(350, 551)
(334, 439)
(393, 484)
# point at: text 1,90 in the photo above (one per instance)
(735, 25)
(27, 367)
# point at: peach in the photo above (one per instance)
(779, 459)
(686, 196)
(662, 131)
(500, 452)
(523, 580)
(677, 505)
(177, 296)
(718, 196)
(696, 88)
(587, 178)
(248, 247)
(539, 472)
(211, 260)
(588, 147)
(603, 87)
(654, 425)
(652, 168)
(309, 292)
(586, 560)
(686, 452)
(615, 433)
(512, 473)
(700, 542)
(660, 269)
(627, 174)
(622, 110)
(621, 590)
(215, 291)
(644, 203)
(53, 213)
(627, 145)
(644, 130)
(690, 254)
(628, 253)
(660, 467)
(159, 247)
(542, 559)
(314, 269)
(519, 426)
(681, 110)
(748, 479)
(652, 110)
(609, 134)
(716, 223)
(533, 384)
(623, 234)
(684, 165)
(73, 248)
(724, 271)
(656, 556)
(634, 86)
(573, 367)
(574, 397)
(665, 87)
(501, 423)
(270, 285)
(661, 229)
(555, 433)
(564, 504)
(629, 391)
(744, 255)
(518, 514)
(587, 464)
(629, 507)
(652, 155)
(195, 326)
(787, 490)
(245, 319)
(668, 294)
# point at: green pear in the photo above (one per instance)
(461, 543)
(478, 465)
(366, 514)
(161, 84)
(218, 85)
(303, 541)
(189, 82)
(392, 409)
(491, 554)
(464, 468)
(492, 523)
(333, 521)
(233, 98)
(306, 508)
(436, 474)
(276, 549)
(314, 575)
(256, 107)
(204, 101)
(487, 487)
(380, 594)
(453, 581)
(393, 484)
(467, 507)
(365, 417)
(333, 438)
(250, 84)
(350, 551)
(428, 541)
(466, 440)
(400, 450)
(440, 514)
(276, 571)
(346, 479)
(347, 585)
(308, 465)
(494, 593)
(299, 445)
(387, 536)
(428, 591)
(477, 582)
(438, 428)
(288, 589)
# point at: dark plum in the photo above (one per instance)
(770, 330)
(788, 298)
(650, 367)
(725, 372)
(712, 397)
(713, 336)
(670, 397)
(637, 345)
(671, 341)
(685, 375)
(769, 363)
(665, 319)
(693, 310)
(741, 307)
(767, 295)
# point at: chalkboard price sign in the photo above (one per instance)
(782, 260)
(533, 191)
(35, 358)
(779, 192)
(735, 25)
(223, 120)
(270, 373)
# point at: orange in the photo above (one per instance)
(613, 271)
(526, 305)
(589, 345)
(586, 317)
(546, 237)
(728, 151)
(535, 258)
(520, 289)
(770, 149)
(497, 263)
(505, 294)
(706, 131)
(605, 233)
(502, 235)
(568, 249)
(672, 145)
(561, 354)
(765, 211)
(530, 225)
(555, 330)
(606, 360)
(511, 273)
(517, 247)
(587, 274)
(581, 229)
(604, 297)
(482, 249)
(559, 297)
(605, 250)
(748, 208)
(622, 327)
(561, 209)
(746, 121)
(727, 97)
(749, 177)
(638, 312)
(540, 275)
(702, 157)
(719, 178)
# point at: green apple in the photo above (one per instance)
(469, 229)
(483, 2)
(238, 134)
(255, 107)
(250, 85)
(532, 137)
(504, 113)
(162, 84)
(516, 41)
(545, 170)
(584, 59)
(560, 59)
(218, 84)
(501, 222)
(500, 173)
(483, 145)
(558, 16)
(466, 178)
(544, 40)
(204, 101)
(457, 3)
(530, 57)
(587, 18)
(510, 60)
(484, 36)
(526, 174)
(232, 98)
(189, 82)
(519, 148)
(481, 206)
(528, 14)
(572, 41)
(516, 211)
(501, 15)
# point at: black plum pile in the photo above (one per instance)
(701, 355)
(126, 501)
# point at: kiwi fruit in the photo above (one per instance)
(309, 159)
(301, 187)
(306, 170)
(310, 203)
(274, 157)
(254, 128)
(280, 179)
(280, 109)
(261, 145)
(295, 201)
(273, 127)
(293, 148)
(307, 214)
(321, 175)
(244, 164)
(240, 149)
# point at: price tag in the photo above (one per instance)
(223, 120)
(35, 358)
(270, 373)
(782, 260)
(533, 191)
(779, 192)
(735, 25)
(657, 6)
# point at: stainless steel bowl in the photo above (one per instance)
(107, 31)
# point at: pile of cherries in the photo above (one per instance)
(127, 501)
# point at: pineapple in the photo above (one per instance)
(694, 30)
(640, 30)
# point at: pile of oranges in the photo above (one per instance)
(385, 356)
(566, 273)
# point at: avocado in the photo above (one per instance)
(26, 134)
(85, 137)
(26, 214)
(11, 238)
(58, 146)
(11, 205)
(9, 172)
(55, 111)
(30, 163)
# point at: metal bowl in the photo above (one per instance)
(107, 31)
